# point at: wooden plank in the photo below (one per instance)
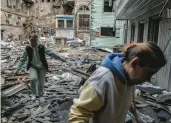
(14, 89)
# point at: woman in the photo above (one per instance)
(107, 95)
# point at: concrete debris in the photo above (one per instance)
(152, 101)
(4, 120)
(61, 86)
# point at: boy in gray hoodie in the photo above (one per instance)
(37, 65)
(107, 95)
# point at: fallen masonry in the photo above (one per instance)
(62, 84)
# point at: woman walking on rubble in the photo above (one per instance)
(107, 95)
(36, 64)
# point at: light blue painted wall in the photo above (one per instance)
(102, 19)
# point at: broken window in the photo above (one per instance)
(153, 30)
(107, 31)
(61, 24)
(42, 0)
(107, 8)
(84, 21)
(9, 19)
(70, 24)
(48, 0)
(68, 8)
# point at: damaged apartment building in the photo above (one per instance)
(64, 22)
(104, 27)
(46, 12)
(13, 15)
(149, 20)
(27, 16)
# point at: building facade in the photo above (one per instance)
(105, 30)
(65, 26)
(82, 19)
(13, 15)
(149, 20)
(26, 16)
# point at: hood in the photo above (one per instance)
(113, 61)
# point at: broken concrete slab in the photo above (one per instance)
(14, 89)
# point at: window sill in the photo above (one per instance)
(107, 36)
(108, 13)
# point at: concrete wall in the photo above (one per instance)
(65, 33)
(44, 13)
(163, 77)
(44, 8)
(101, 19)
(104, 19)
(15, 9)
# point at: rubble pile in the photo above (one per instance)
(61, 86)
(154, 103)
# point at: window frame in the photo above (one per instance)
(87, 27)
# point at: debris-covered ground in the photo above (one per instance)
(62, 85)
(63, 81)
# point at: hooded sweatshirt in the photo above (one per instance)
(105, 96)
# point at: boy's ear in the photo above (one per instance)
(134, 62)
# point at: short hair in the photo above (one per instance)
(149, 54)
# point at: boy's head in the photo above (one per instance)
(142, 60)
(33, 40)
